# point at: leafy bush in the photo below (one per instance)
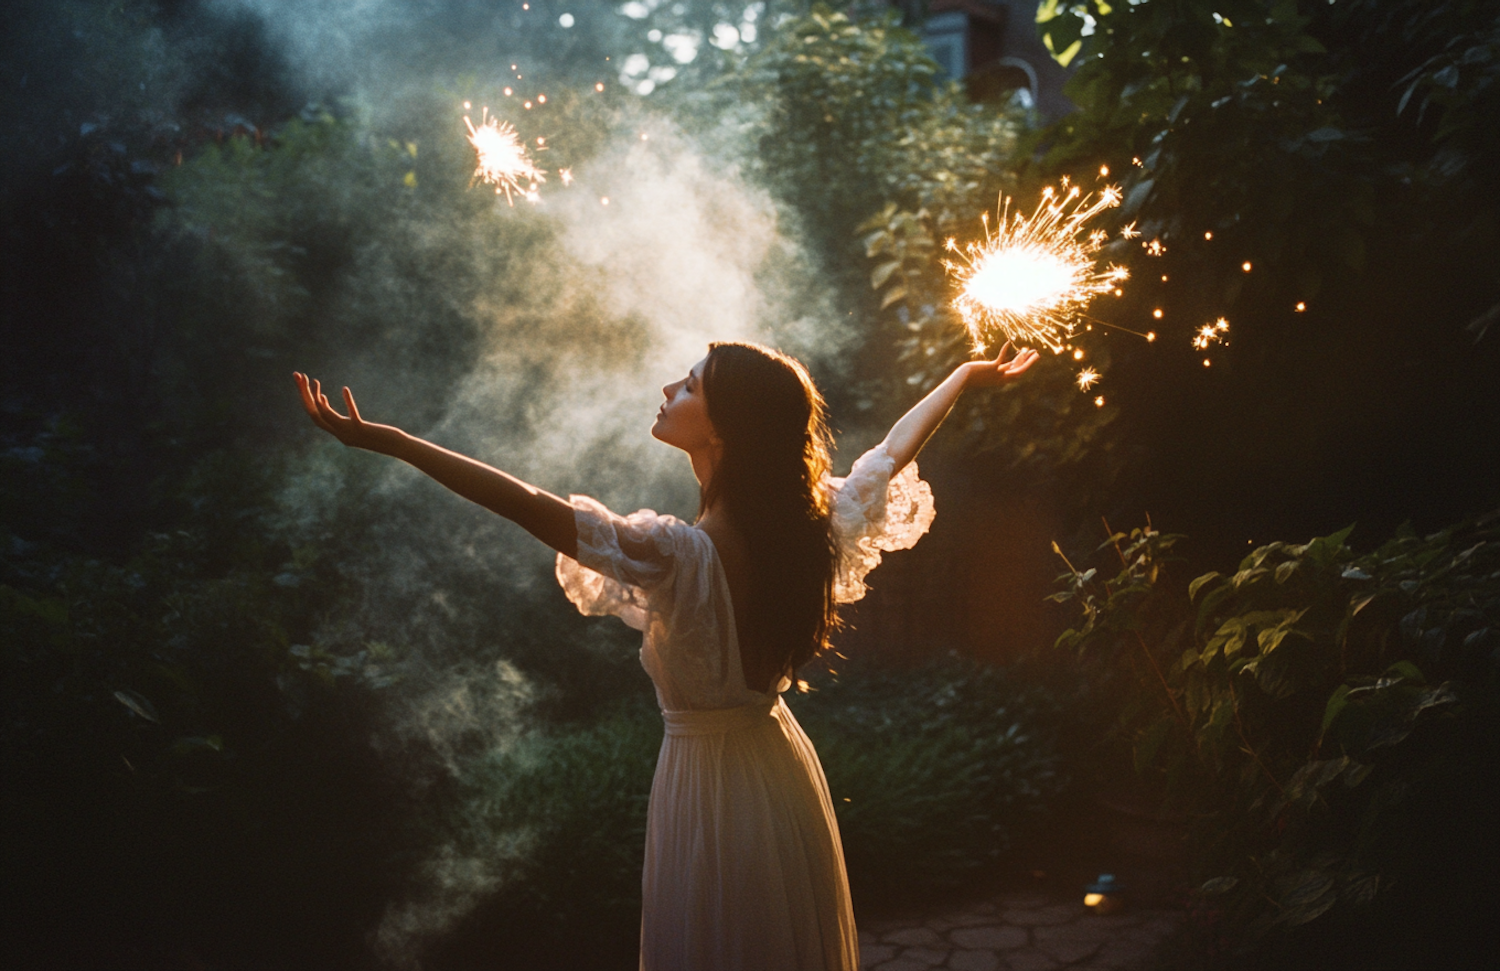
(934, 771)
(1307, 709)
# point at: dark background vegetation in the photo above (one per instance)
(266, 703)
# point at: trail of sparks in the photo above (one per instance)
(503, 161)
(1030, 279)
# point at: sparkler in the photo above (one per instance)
(1086, 378)
(1032, 277)
(503, 161)
(1210, 334)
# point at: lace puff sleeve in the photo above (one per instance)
(621, 561)
(874, 513)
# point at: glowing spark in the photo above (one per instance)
(1155, 247)
(1210, 334)
(1129, 232)
(508, 92)
(1086, 378)
(503, 161)
(604, 200)
(1207, 362)
(1150, 336)
(1245, 266)
(527, 106)
(541, 99)
(1208, 234)
(466, 106)
(1078, 354)
(1031, 278)
(1301, 306)
(566, 175)
(1136, 162)
(1156, 313)
(1099, 401)
(1104, 171)
(599, 86)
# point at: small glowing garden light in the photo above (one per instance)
(1103, 895)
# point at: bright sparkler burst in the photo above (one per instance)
(1210, 334)
(1031, 278)
(1086, 378)
(503, 161)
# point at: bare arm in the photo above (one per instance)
(540, 513)
(907, 436)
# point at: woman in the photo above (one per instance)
(743, 863)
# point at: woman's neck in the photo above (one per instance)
(704, 460)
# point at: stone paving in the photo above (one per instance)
(1018, 932)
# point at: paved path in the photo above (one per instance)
(1017, 932)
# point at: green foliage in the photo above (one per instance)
(1228, 112)
(839, 96)
(1296, 703)
(1254, 119)
(578, 795)
(936, 772)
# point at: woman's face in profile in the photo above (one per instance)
(682, 420)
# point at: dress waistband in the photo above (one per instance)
(720, 721)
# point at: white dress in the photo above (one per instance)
(743, 869)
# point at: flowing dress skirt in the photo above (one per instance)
(743, 864)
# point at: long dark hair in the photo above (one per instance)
(770, 417)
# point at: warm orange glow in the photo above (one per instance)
(1156, 313)
(1301, 306)
(599, 87)
(1093, 899)
(1208, 234)
(1245, 266)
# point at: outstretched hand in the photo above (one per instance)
(352, 430)
(988, 374)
